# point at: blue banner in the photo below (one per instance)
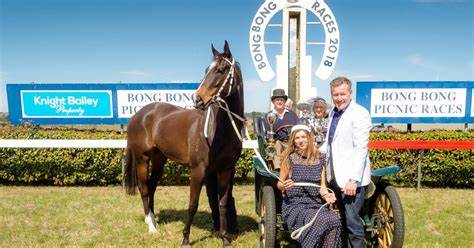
(66, 104)
(90, 103)
(417, 102)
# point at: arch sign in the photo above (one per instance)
(265, 13)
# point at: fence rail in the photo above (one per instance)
(80, 143)
(421, 144)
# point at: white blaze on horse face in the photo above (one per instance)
(212, 65)
(150, 220)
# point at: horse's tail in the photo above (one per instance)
(130, 173)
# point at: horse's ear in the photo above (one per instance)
(215, 53)
(227, 52)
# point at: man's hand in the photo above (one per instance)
(330, 198)
(350, 188)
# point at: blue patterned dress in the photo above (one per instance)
(301, 203)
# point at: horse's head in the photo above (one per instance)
(218, 82)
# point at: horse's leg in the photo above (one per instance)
(224, 179)
(197, 180)
(158, 161)
(143, 181)
(213, 198)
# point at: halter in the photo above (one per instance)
(222, 103)
(229, 78)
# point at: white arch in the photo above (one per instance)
(265, 13)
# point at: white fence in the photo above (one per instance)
(62, 143)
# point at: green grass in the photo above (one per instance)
(105, 217)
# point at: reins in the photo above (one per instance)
(296, 233)
(224, 106)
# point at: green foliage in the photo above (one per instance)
(440, 168)
(426, 135)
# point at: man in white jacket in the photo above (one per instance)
(348, 167)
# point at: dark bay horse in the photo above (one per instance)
(205, 139)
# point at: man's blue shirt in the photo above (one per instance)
(335, 119)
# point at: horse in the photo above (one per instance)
(204, 139)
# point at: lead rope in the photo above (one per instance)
(296, 233)
(223, 105)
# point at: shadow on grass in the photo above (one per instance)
(202, 219)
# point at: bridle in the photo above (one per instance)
(217, 99)
(228, 80)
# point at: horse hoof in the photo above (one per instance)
(215, 234)
(185, 243)
(152, 231)
(226, 243)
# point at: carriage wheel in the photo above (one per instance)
(267, 224)
(388, 207)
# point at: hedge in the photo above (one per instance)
(104, 166)
(440, 168)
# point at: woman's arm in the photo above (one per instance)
(323, 191)
(283, 176)
(284, 183)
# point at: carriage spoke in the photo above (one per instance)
(387, 233)
(388, 205)
(262, 223)
(389, 210)
(384, 243)
(384, 208)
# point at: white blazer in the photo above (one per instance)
(349, 146)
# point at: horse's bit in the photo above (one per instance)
(223, 104)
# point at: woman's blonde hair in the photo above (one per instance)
(311, 153)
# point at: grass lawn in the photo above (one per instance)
(105, 216)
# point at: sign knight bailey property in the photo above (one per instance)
(90, 103)
(66, 103)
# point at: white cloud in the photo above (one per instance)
(418, 60)
(256, 85)
(356, 77)
(135, 73)
(257, 95)
(2, 76)
(3, 98)
(439, 1)
(353, 76)
(470, 66)
(183, 81)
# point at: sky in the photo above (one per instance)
(145, 41)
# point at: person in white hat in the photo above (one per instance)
(319, 122)
(302, 162)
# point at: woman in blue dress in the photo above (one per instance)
(303, 163)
